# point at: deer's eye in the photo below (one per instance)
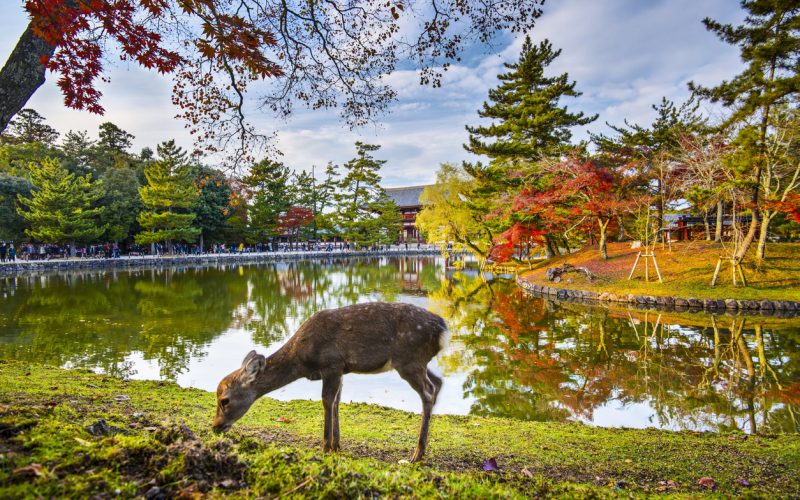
(223, 402)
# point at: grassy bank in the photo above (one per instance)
(156, 440)
(687, 270)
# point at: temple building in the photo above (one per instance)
(407, 199)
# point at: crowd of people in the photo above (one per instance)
(32, 251)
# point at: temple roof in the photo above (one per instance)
(407, 196)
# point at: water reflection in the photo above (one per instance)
(511, 355)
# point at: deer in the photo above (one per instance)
(363, 338)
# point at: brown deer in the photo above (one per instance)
(362, 338)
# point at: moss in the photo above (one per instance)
(158, 436)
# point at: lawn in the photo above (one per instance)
(154, 439)
(687, 269)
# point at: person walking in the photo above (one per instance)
(12, 252)
(2, 251)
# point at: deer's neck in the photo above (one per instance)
(281, 369)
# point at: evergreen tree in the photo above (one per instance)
(28, 126)
(529, 125)
(213, 208)
(113, 138)
(78, 149)
(272, 196)
(769, 44)
(168, 197)
(12, 224)
(62, 207)
(359, 198)
(529, 122)
(122, 202)
(325, 199)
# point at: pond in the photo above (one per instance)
(511, 355)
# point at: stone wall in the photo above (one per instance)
(763, 307)
(22, 266)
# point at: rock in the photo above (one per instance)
(766, 305)
(681, 303)
(695, 303)
(154, 493)
(99, 428)
(731, 304)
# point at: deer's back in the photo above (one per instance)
(367, 338)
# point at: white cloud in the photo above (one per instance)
(624, 54)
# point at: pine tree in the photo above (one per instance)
(769, 44)
(62, 207)
(28, 126)
(529, 122)
(168, 197)
(359, 189)
(269, 182)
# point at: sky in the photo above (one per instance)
(624, 54)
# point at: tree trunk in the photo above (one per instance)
(706, 224)
(763, 233)
(718, 229)
(603, 237)
(749, 237)
(22, 74)
(551, 252)
(621, 235)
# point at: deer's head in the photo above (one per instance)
(237, 392)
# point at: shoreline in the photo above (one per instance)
(147, 261)
(765, 307)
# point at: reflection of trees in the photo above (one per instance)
(99, 319)
(536, 360)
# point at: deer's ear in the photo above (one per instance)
(251, 367)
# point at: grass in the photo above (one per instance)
(157, 441)
(687, 271)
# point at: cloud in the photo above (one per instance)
(624, 54)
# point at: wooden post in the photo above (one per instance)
(655, 263)
(733, 270)
(716, 272)
(633, 269)
(741, 273)
(646, 269)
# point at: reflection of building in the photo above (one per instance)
(407, 199)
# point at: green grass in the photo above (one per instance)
(687, 270)
(163, 440)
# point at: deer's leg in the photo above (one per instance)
(437, 384)
(417, 377)
(331, 385)
(335, 419)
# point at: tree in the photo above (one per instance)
(168, 197)
(29, 126)
(269, 183)
(769, 44)
(651, 151)
(62, 207)
(530, 121)
(530, 124)
(334, 54)
(113, 138)
(359, 194)
(213, 208)
(446, 218)
(12, 224)
(78, 149)
(292, 221)
(122, 202)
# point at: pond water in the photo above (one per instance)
(511, 355)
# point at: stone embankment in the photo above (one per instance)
(133, 262)
(763, 307)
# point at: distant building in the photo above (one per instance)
(407, 199)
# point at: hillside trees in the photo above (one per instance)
(332, 54)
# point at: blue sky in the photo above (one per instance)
(624, 54)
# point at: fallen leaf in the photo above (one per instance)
(285, 420)
(32, 470)
(707, 482)
(742, 482)
(490, 465)
(526, 472)
(668, 485)
(82, 441)
(403, 462)
(122, 397)
(628, 461)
